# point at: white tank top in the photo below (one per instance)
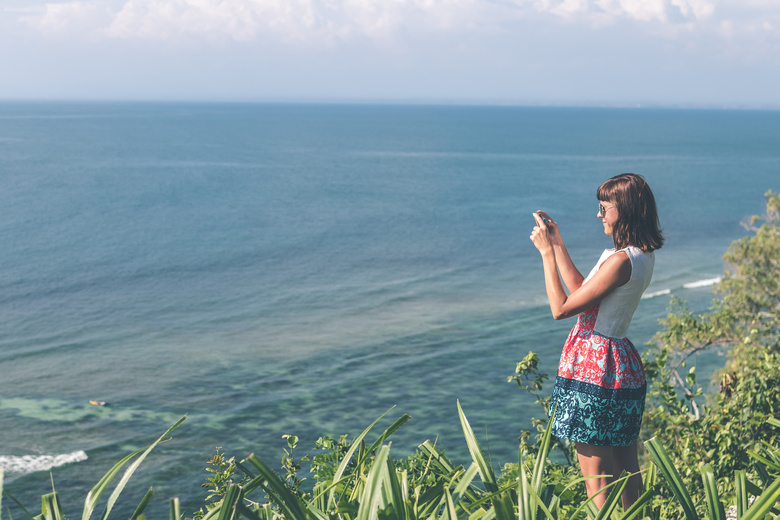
(617, 308)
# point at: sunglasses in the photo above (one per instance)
(603, 210)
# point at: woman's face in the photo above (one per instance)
(608, 214)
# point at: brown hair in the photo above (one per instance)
(637, 223)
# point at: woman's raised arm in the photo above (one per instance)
(613, 273)
(572, 277)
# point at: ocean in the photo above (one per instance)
(272, 269)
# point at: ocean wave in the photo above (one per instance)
(32, 463)
(702, 283)
(663, 292)
(707, 282)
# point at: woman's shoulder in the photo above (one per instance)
(635, 252)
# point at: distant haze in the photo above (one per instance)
(702, 53)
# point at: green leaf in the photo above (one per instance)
(348, 456)
(288, 502)
(764, 503)
(230, 504)
(50, 507)
(740, 485)
(613, 499)
(714, 505)
(95, 493)
(372, 498)
(142, 505)
(636, 508)
(485, 470)
(672, 477)
(174, 511)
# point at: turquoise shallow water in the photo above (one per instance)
(274, 269)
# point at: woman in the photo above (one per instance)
(599, 394)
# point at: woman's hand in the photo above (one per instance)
(541, 235)
(552, 228)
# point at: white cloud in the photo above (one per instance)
(68, 18)
(333, 22)
(666, 11)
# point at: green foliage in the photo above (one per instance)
(745, 319)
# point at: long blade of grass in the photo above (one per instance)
(764, 503)
(50, 507)
(131, 469)
(465, 480)
(636, 508)
(485, 470)
(588, 506)
(672, 477)
(16, 501)
(740, 485)
(533, 499)
(524, 499)
(452, 513)
(541, 458)
(714, 505)
(233, 497)
(613, 499)
(97, 491)
(650, 478)
(348, 456)
(389, 431)
(90, 502)
(371, 499)
(288, 502)
(394, 491)
(174, 509)
(250, 513)
(142, 505)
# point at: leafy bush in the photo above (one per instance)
(724, 427)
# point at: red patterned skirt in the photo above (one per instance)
(599, 394)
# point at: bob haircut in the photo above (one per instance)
(637, 222)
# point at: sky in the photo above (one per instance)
(699, 53)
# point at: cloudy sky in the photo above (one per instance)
(582, 52)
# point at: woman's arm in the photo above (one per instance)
(613, 273)
(572, 277)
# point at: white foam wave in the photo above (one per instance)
(647, 296)
(31, 463)
(702, 283)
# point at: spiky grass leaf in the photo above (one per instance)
(357, 443)
(452, 513)
(485, 470)
(636, 508)
(613, 499)
(464, 484)
(714, 505)
(288, 502)
(230, 504)
(50, 507)
(18, 503)
(740, 485)
(672, 477)
(372, 498)
(541, 456)
(96, 492)
(764, 503)
(174, 509)
(142, 505)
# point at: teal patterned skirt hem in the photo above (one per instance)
(594, 415)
